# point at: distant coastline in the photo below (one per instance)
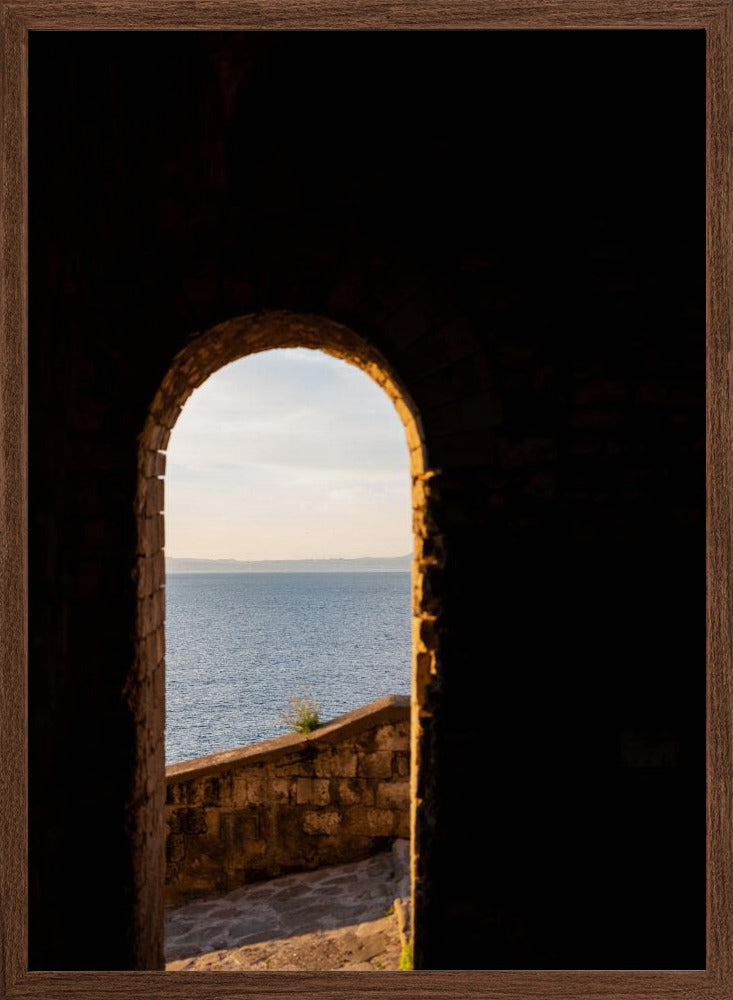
(389, 564)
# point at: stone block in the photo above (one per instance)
(353, 791)
(239, 827)
(369, 821)
(401, 765)
(212, 821)
(375, 765)
(212, 792)
(152, 463)
(158, 437)
(393, 795)
(402, 824)
(153, 496)
(380, 822)
(294, 766)
(256, 792)
(313, 791)
(341, 764)
(193, 821)
(192, 792)
(147, 615)
(159, 644)
(150, 647)
(390, 738)
(282, 790)
(325, 822)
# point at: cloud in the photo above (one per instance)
(283, 455)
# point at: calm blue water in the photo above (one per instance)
(239, 644)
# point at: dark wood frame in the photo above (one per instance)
(18, 17)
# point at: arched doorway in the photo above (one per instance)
(145, 691)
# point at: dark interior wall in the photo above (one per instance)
(531, 262)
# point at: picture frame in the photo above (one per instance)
(18, 18)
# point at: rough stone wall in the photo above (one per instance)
(202, 355)
(533, 278)
(290, 804)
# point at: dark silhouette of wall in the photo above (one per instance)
(534, 272)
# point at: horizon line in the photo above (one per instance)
(402, 555)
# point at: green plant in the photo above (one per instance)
(407, 963)
(302, 714)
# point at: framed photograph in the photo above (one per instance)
(496, 211)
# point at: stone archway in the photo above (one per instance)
(204, 354)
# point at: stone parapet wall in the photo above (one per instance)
(290, 804)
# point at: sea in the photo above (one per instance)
(239, 645)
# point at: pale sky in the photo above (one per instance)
(288, 454)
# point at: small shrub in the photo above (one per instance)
(302, 714)
(407, 963)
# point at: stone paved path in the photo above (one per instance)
(331, 918)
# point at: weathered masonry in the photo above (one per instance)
(289, 804)
(202, 355)
(529, 287)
